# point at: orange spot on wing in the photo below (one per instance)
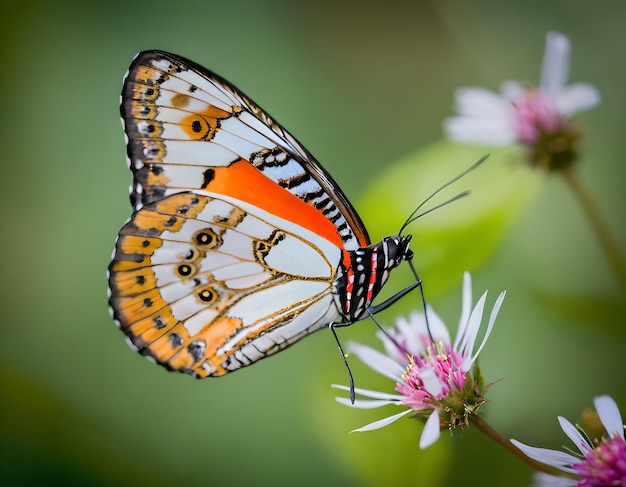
(243, 181)
(203, 125)
(219, 332)
(185, 204)
(180, 100)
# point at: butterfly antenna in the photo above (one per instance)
(414, 215)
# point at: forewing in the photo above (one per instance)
(185, 124)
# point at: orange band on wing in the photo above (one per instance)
(243, 181)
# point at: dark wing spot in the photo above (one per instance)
(159, 322)
(197, 349)
(175, 340)
(156, 170)
(184, 270)
(207, 177)
(206, 295)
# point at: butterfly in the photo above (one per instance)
(240, 243)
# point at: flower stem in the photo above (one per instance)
(483, 426)
(608, 243)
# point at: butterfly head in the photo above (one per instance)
(396, 250)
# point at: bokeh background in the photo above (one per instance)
(365, 86)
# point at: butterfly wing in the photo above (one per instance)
(238, 233)
(208, 284)
(189, 129)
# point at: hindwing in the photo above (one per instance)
(206, 284)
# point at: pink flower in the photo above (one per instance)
(434, 378)
(539, 118)
(601, 462)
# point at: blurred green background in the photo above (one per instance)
(365, 86)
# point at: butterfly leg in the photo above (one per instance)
(332, 327)
(372, 310)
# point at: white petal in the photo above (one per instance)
(431, 431)
(377, 361)
(512, 91)
(573, 434)
(556, 458)
(610, 416)
(479, 130)
(371, 394)
(480, 103)
(541, 479)
(432, 385)
(555, 68)
(492, 320)
(438, 330)
(468, 339)
(411, 332)
(577, 98)
(382, 422)
(363, 403)
(466, 308)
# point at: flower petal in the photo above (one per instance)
(431, 382)
(492, 320)
(377, 361)
(573, 434)
(363, 403)
(555, 68)
(470, 331)
(480, 103)
(382, 422)
(494, 131)
(369, 393)
(438, 329)
(466, 308)
(513, 91)
(610, 416)
(555, 458)
(432, 430)
(577, 98)
(541, 479)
